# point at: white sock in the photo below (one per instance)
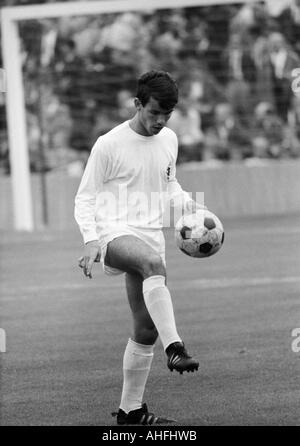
(159, 304)
(136, 367)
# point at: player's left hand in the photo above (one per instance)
(81, 262)
(91, 255)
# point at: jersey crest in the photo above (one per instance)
(168, 173)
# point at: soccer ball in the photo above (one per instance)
(200, 234)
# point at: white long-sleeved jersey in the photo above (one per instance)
(127, 181)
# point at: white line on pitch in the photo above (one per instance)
(11, 238)
(234, 282)
(264, 231)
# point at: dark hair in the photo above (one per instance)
(160, 86)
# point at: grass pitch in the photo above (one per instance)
(236, 311)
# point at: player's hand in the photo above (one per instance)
(91, 254)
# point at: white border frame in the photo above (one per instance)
(16, 118)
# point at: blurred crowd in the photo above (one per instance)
(234, 66)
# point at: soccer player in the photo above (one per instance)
(128, 166)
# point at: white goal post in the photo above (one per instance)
(15, 104)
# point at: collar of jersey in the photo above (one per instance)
(142, 137)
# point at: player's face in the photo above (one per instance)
(152, 118)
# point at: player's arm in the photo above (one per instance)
(181, 198)
(177, 196)
(85, 207)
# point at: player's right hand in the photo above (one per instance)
(91, 254)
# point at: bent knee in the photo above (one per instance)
(154, 266)
(146, 335)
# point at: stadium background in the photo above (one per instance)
(238, 124)
(236, 101)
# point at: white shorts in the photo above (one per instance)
(154, 238)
